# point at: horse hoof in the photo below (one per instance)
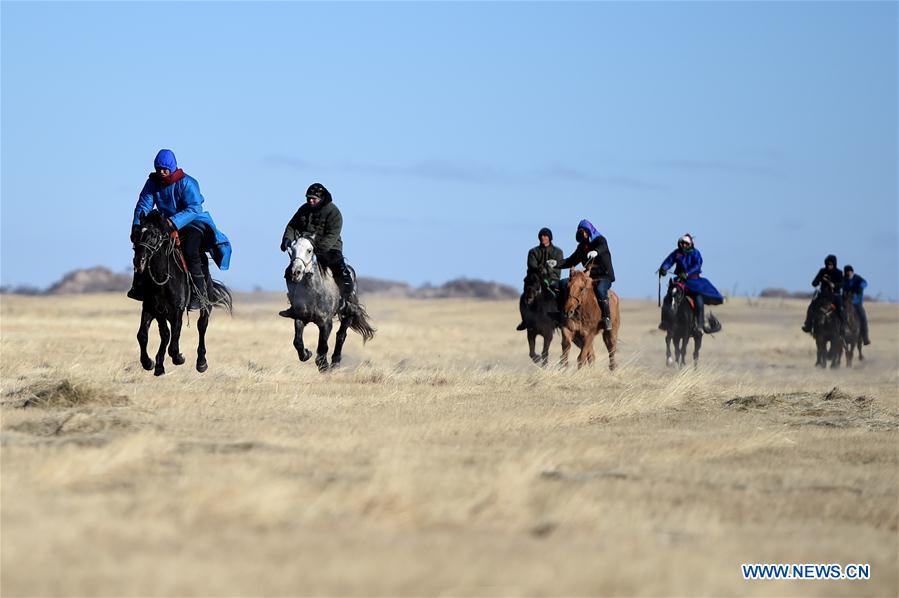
(147, 363)
(202, 366)
(178, 359)
(305, 355)
(669, 362)
(159, 371)
(335, 364)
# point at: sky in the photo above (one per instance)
(450, 133)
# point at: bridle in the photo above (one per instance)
(160, 241)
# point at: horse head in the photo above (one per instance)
(302, 254)
(579, 284)
(533, 287)
(153, 237)
(678, 293)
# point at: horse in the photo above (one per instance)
(539, 302)
(583, 321)
(160, 264)
(826, 328)
(314, 297)
(852, 330)
(680, 315)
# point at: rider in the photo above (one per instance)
(854, 286)
(537, 264)
(593, 252)
(687, 262)
(320, 216)
(177, 197)
(830, 280)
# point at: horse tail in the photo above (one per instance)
(220, 296)
(358, 321)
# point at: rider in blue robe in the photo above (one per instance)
(687, 262)
(177, 197)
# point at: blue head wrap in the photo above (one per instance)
(588, 226)
(166, 159)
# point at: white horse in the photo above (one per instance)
(314, 297)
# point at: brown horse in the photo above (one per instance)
(852, 330)
(583, 321)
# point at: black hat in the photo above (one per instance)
(831, 259)
(545, 231)
(318, 190)
(848, 268)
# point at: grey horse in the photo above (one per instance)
(314, 297)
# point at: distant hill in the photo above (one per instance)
(104, 280)
(785, 294)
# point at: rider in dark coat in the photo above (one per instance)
(829, 281)
(687, 262)
(593, 253)
(854, 286)
(537, 264)
(177, 196)
(321, 217)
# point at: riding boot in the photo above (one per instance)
(198, 295)
(522, 325)
(347, 286)
(807, 327)
(136, 291)
(606, 311)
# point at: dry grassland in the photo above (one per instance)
(438, 460)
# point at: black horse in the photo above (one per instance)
(539, 302)
(827, 329)
(678, 312)
(167, 286)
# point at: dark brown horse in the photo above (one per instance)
(583, 321)
(539, 303)
(852, 330)
(826, 328)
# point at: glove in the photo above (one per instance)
(551, 263)
(682, 276)
(284, 243)
(663, 272)
(135, 234)
(591, 254)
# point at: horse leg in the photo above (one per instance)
(544, 356)
(566, 347)
(668, 361)
(321, 352)
(202, 325)
(682, 353)
(583, 358)
(821, 345)
(174, 346)
(850, 349)
(836, 351)
(610, 338)
(338, 343)
(163, 345)
(143, 336)
(303, 352)
(697, 345)
(532, 341)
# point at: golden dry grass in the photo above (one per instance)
(438, 460)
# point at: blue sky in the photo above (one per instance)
(450, 133)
